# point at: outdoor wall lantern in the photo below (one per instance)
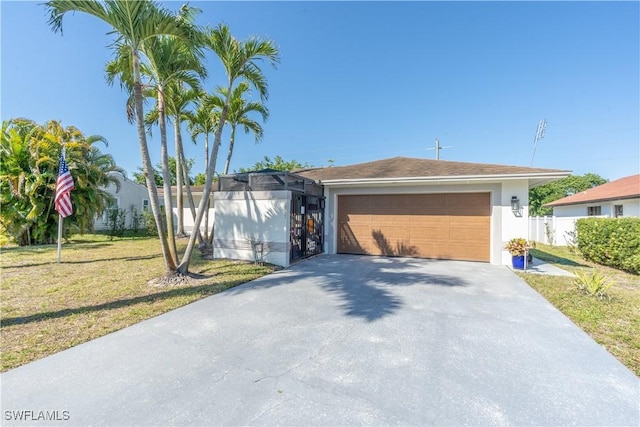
(515, 205)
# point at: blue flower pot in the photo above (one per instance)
(517, 261)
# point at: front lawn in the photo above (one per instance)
(101, 286)
(613, 322)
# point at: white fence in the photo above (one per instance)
(552, 230)
(188, 219)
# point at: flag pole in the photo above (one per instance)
(59, 236)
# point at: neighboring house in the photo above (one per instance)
(398, 207)
(132, 197)
(614, 199)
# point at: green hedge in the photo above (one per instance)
(611, 241)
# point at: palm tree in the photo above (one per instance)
(203, 121)
(241, 61)
(135, 24)
(237, 115)
(178, 101)
(28, 172)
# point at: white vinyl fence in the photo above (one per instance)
(188, 219)
(552, 230)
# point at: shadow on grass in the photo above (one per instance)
(88, 261)
(202, 290)
(546, 256)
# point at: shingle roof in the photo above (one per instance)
(408, 167)
(623, 188)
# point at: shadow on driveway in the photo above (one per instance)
(363, 284)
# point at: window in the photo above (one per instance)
(594, 210)
(617, 211)
(110, 208)
(145, 205)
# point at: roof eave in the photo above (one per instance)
(543, 177)
(586, 202)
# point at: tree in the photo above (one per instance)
(170, 62)
(241, 61)
(276, 164)
(139, 178)
(238, 115)
(203, 121)
(28, 172)
(200, 179)
(548, 193)
(134, 23)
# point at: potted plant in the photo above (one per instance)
(518, 247)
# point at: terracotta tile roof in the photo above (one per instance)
(623, 188)
(408, 167)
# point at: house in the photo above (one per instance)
(614, 199)
(398, 207)
(132, 197)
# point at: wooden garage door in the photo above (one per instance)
(443, 226)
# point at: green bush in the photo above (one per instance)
(150, 222)
(610, 241)
(116, 219)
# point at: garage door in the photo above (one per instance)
(443, 226)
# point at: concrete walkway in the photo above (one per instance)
(538, 266)
(339, 340)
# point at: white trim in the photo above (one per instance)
(435, 180)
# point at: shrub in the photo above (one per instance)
(150, 222)
(136, 221)
(594, 284)
(116, 220)
(610, 241)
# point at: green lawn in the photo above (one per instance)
(613, 322)
(101, 286)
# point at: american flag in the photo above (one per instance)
(64, 185)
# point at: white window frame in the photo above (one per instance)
(105, 214)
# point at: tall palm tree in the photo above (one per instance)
(178, 101)
(135, 23)
(238, 115)
(203, 121)
(241, 61)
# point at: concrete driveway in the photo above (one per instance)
(340, 340)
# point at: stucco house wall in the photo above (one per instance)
(246, 217)
(504, 223)
(630, 207)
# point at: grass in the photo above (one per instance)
(613, 322)
(101, 286)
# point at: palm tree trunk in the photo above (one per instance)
(147, 167)
(166, 176)
(206, 166)
(185, 175)
(179, 165)
(204, 202)
(230, 153)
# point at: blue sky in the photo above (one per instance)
(362, 81)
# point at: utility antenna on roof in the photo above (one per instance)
(539, 135)
(438, 148)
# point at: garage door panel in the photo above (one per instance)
(427, 234)
(446, 226)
